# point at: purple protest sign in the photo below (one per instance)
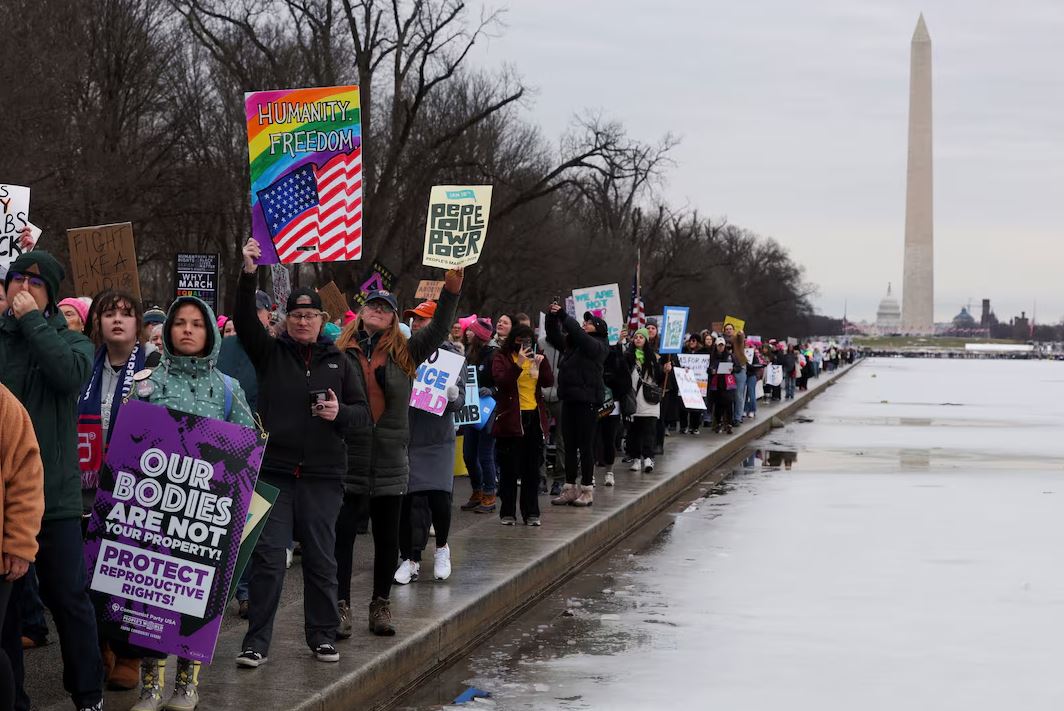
(166, 525)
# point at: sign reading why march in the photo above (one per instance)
(305, 149)
(104, 257)
(604, 302)
(433, 376)
(457, 225)
(14, 215)
(673, 329)
(379, 278)
(197, 275)
(166, 526)
(689, 393)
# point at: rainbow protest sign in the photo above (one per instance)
(305, 152)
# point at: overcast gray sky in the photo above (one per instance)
(793, 119)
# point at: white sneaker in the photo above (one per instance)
(441, 567)
(649, 465)
(609, 479)
(637, 464)
(287, 558)
(407, 572)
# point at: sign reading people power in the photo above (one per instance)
(14, 215)
(166, 526)
(457, 225)
(604, 302)
(305, 149)
(441, 369)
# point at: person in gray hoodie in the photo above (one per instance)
(429, 492)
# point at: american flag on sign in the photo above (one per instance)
(315, 214)
(637, 317)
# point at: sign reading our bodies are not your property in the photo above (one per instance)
(305, 150)
(457, 225)
(166, 526)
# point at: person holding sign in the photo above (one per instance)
(737, 346)
(721, 385)
(378, 470)
(427, 503)
(185, 380)
(310, 397)
(647, 374)
(43, 364)
(520, 421)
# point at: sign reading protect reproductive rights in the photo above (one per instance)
(166, 525)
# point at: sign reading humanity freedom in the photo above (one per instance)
(305, 149)
(166, 526)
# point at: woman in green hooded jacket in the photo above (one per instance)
(187, 380)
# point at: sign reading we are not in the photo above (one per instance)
(103, 257)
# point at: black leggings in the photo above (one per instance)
(607, 439)
(421, 510)
(384, 514)
(691, 419)
(722, 408)
(579, 420)
(644, 435)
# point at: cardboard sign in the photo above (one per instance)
(166, 526)
(688, 387)
(698, 365)
(333, 301)
(282, 285)
(456, 225)
(429, 290)
(197, 275)
(470, 413)
(603, 301)
(429, 392)
(103, 257)
(14, 215)
(305, 151)
(673, 329)
(379, 278)
(739, 324)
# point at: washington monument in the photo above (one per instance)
(918, 286)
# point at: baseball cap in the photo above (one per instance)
(303, 298)
(383, 295)
(426, 309)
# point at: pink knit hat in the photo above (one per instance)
(79, 306)
(482, 329)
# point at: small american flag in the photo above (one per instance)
(315, 214)
(637, 317)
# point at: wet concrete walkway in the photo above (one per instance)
(498, 571)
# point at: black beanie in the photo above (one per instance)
(51, 271)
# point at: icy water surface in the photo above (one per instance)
(901, 550)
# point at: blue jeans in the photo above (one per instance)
(751, 393)
(740, 398)
(788, 383)
(478, 451)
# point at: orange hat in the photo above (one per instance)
(426, 309)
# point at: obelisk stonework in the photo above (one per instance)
(918, 287)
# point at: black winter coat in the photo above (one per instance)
(287, 373)
(580, 366)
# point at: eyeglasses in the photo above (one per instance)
(378, 306)
(19, 278)
(304, 315)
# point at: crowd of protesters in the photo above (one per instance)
(346, 451)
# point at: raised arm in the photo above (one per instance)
(253, 337)
(429, 338)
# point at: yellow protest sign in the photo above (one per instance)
(738, 323)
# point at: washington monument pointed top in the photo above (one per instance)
(920, 33)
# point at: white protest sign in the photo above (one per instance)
(774, 376)
(698, 364)
(429, 392)
(469, 413)
(457, 225)
(14, 215)
(603, 301)
(689, 393)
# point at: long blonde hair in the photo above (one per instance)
(392, 341)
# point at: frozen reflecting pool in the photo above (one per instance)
(898, 548)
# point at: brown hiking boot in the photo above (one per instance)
(474, 500)
(125, 675)
(569, 494)
(380, 617)
(487, 504)
(584, 498)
